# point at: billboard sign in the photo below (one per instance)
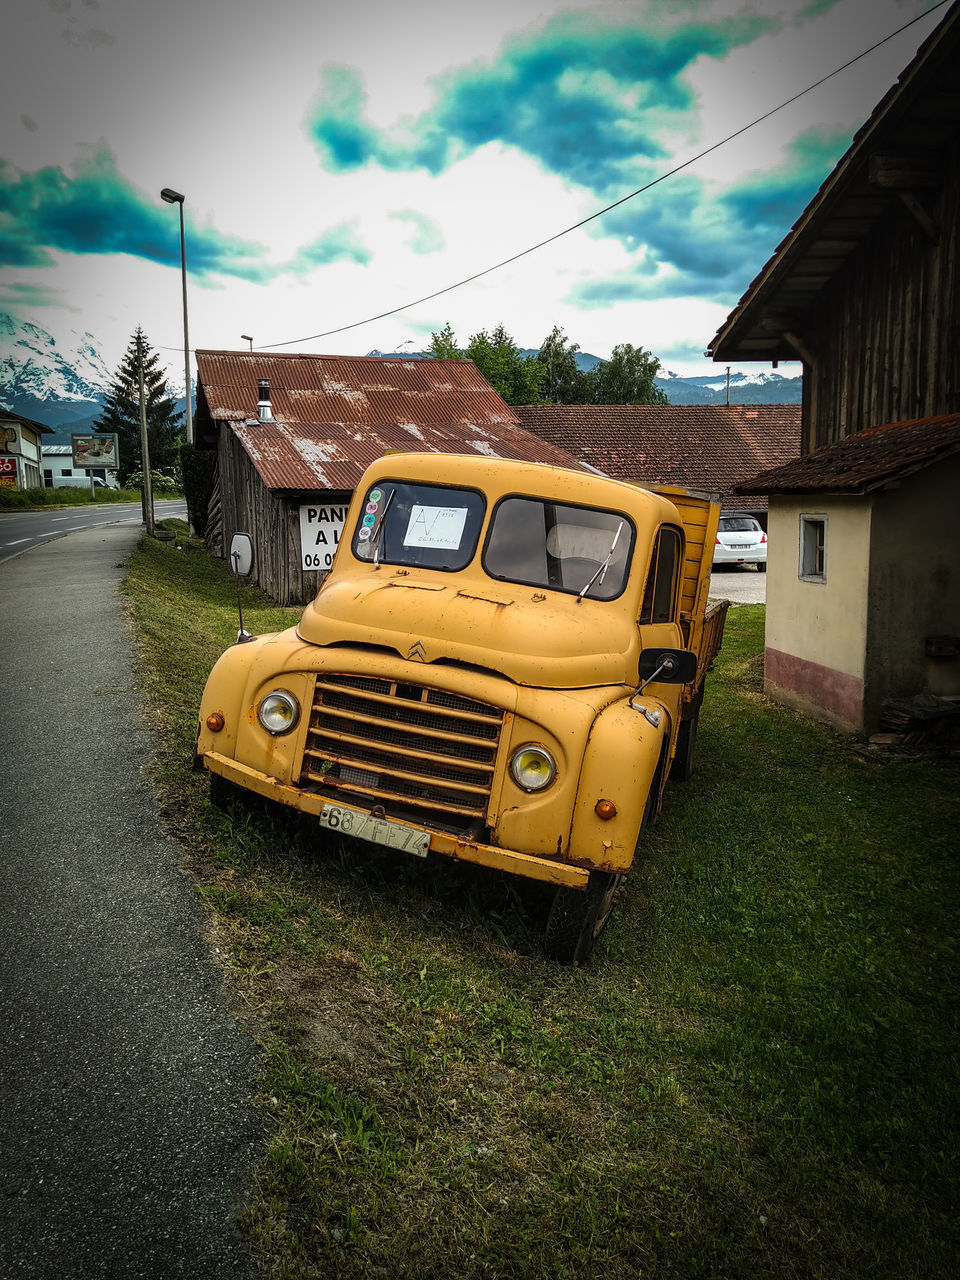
(320, 530)
(8, 471)
(96, 451)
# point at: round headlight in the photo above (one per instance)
(279, 712)
(533, 768)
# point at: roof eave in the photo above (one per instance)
(734, 339)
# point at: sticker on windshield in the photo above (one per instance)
(439, 527)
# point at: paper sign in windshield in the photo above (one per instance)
(439, 527)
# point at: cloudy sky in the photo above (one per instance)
(343, 160)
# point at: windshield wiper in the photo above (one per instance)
(375, 537)
(601, 569)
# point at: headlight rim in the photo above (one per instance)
(291, 701)
(537, 748)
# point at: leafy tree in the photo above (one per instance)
(443, 345)
(121, 411)
(512, 375)
(552, 375)
(564, 382)
(627, 377)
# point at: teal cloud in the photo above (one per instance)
(338, 244)
(95, 210)
(685, 244)
(587, 100)
(426, 235)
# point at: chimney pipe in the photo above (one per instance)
(264, 408)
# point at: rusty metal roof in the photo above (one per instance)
(334, 415)
(865, 461)
(703, 446)
(919, 117)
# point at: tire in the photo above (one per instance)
(224, 794)
(762, 567)
(579, 916)
(681, 768)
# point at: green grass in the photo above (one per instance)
(27, 499)
(755, 1076)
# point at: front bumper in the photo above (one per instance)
(451, 846)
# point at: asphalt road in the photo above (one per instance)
(740, 583)
(126, 1129)
(21, 530)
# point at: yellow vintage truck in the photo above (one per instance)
(503, 666)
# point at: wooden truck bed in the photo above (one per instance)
(702, 624)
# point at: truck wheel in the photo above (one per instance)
(681, 767)
(579, 916)
(223, 793)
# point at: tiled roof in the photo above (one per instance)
(866, 460)
(708, 446)
(334, 415)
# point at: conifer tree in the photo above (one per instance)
(121, 411)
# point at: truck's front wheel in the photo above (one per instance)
(579, 916)
(224, 793)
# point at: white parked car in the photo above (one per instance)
(740, 540)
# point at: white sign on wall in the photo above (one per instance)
(320, 531)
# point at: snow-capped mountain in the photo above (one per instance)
(40, 381)
(760, 387)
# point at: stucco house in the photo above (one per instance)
(21, 443)
(60, 473)
(294, 433)
(863, 583)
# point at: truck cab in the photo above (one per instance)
(502, 666)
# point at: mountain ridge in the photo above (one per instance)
(64, 389)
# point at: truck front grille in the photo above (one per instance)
(417, 752)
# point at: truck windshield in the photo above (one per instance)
(423, 525)
(546, 544)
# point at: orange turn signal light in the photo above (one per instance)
(605, 809)
(215, 722)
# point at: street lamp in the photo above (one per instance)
(174, 197)
(246, 338)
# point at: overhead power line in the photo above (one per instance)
(669, 173)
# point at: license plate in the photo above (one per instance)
(361, 826)
(740, 546)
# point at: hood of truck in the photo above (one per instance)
(534, 637)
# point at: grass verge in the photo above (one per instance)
(29, 499)
(756, 1076)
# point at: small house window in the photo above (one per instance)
(67, 471)
(660, 594)
(813, 548)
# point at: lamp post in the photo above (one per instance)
(246, 338)
(174, 197)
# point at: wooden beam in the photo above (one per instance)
(927, 225)
(802, 350)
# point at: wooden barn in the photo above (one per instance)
(863, 583)
(293, 435)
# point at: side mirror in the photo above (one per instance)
(241, 554)
(667, 666)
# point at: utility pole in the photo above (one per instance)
(146, 493)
